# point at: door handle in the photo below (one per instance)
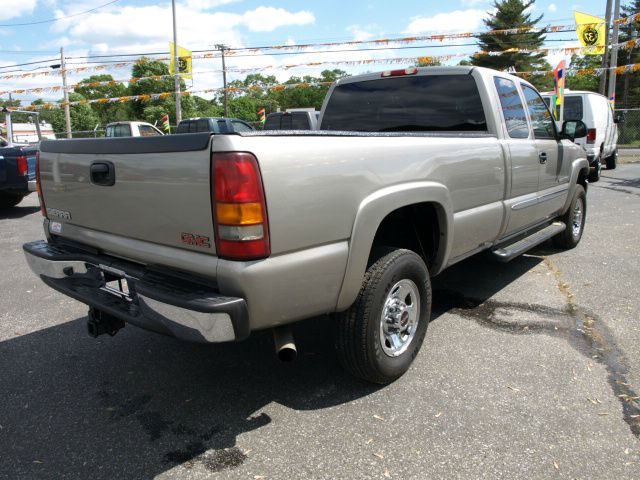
(103, 173)
(543, 157)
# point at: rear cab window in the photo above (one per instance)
(423, 103)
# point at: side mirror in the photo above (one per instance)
(573, 129)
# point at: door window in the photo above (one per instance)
(147, 131)
(512, 108)
(541, 121)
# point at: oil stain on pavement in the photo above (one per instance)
(584, 331)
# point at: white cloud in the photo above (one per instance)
(471, 3)
(359, 33)
(267, 19)
(552, 7)
(17, 8)
(457, 21)
(208, 4)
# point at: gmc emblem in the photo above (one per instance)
(196, 240)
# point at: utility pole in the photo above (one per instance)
(603, 78)
(176, 64)
(222, 48)
(65, 93)
(614, 52)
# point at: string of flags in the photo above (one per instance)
(631, 68)
(394, 60)
(262, 115)
(186, 68)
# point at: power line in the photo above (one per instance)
(52, 20)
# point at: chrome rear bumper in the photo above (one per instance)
(158, 300)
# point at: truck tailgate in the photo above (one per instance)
(155, 189)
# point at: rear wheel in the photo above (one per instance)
(612, 160)
(378, 337)
(574, 218)
(7, 201)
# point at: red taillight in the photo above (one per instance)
(43, 209)
(591, 135)
(239, 207)
(399, 73)
(23, 166)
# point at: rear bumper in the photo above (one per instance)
(157, 300)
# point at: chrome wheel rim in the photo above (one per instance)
(576, 221)
(399, 319)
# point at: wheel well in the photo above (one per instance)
(582, 178)
(414, 227)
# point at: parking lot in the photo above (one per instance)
(530, 369)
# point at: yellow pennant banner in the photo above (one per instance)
(591, 33)
(185, 58)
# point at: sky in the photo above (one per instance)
(144, 26)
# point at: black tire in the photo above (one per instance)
(595, 175)
(571, 236)
(359, 329)
(612, 160)
(8, 201)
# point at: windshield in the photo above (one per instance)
(426, 103)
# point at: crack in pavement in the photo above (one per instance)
(583, 330)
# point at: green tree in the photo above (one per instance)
(584, 81)
(140, 85)
(511, 14)
(108, 112)
(7, 103)
(628, 84)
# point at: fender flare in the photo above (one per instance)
(373, 210)
(578, 165)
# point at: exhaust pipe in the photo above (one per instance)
(100, 322)
(285, 345)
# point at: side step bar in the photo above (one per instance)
(509, 252)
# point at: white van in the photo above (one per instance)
(601, 142)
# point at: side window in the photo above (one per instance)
(193, 126)
(147, 131)
(109, 132)
(222, 126)
(541, 120)
(300, 121)
(240, 126)
(202, 125)
(512, 109)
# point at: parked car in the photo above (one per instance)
(601, 142)
(213, 125)
(131, 129)
(210, 237)
(18, 160)
(293, 119)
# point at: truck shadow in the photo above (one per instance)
(17, 212)
(140, 404)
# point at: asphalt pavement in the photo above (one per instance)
(530, 369)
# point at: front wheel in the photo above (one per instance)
(612, 160)
(574, 218)
(597, 168)
(378, 337)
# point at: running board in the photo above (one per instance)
(509, 252)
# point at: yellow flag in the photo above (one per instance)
(591, 33)
(184, 62)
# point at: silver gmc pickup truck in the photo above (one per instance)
(210, 237)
